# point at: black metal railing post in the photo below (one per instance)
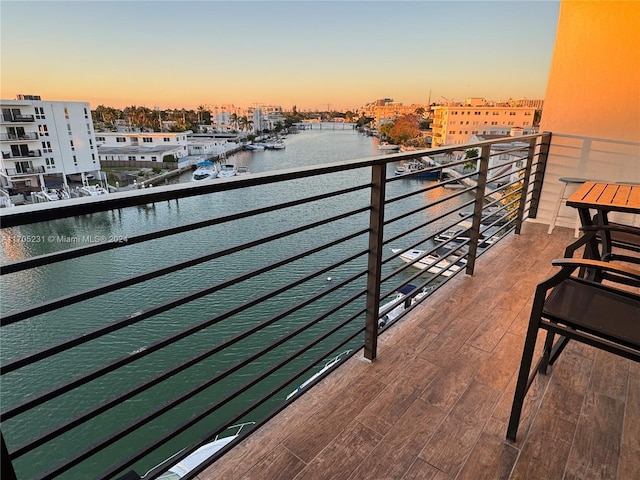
(541, 165)
(374, 261)
(477, 208)
(525, 185)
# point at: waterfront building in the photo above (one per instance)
(455, 123)
(43, 142)
(386, 110)
(141, 146)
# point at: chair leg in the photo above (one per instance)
(523, 375)
(556, 209)
(546, 353)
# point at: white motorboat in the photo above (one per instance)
(406, 293)
(388, 146)
(434, 262)
(227, 170)
(462, 233)
(330, 364)
(416, 168)
(204, 171)
(92, 190)
(254, 146)
(46, 195)
(187, 464)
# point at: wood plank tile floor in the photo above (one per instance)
(435, 403)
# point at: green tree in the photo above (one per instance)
(471, 154)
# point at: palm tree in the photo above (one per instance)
(233, 119)
(201, 110)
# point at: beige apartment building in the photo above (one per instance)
(456, 123)
(386, 110)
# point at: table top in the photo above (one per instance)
(619, 197)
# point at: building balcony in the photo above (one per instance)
(10, 137)
(17, 118)
(32, 170)
(21, 155)
(431, 399)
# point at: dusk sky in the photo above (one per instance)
(312, 54)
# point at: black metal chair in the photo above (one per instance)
(601, 315)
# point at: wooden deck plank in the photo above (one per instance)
(491, 459)
(596, 449)
(341, 456)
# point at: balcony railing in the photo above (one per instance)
(25, 171)
(306, 275)
(17, 118)
(11, 137)
(16, 156)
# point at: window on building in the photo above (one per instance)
(147, 140)
(93, 157)
(66, 113)
(75, 161)
(121, 139)
(71, 145)
(166, 139)
(40, 113)
(43, 130)
(100, 139)
(512, 113)
(86, 115)
(46, 147)
(50, 162)
(88, 129)
(69, 128)
(132, 158)
(153, 159)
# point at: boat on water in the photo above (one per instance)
(434, 262)
(416, 168)
(252, 147)
(187, 464)
(227, 170)
(388, 146)
(92, 191)
(46, 195)
(204, 171)
(327, 366)
(461, 233)
(278, 145)
(492, 216)
(403, 299)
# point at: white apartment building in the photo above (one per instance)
(43, 142)
(141, 146)
(455, 124)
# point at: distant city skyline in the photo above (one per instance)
(316, 55)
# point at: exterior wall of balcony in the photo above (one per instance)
(593, 94)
